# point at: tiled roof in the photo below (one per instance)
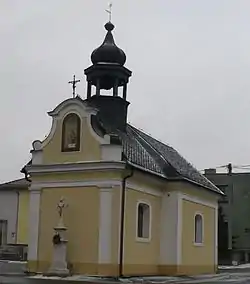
(15, 184)
(150, 154)
(172, 158)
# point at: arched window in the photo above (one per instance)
(198, 229)
(143, 221)
(71, 131)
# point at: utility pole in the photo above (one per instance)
(230, 207)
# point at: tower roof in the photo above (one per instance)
(108, 52)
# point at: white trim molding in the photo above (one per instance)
(69, 183)
(78, 166)
(144, 239)
(72, 105)
(199, 200)
(145, 189)
(82, 109)
(34, 216)
(199, 244)
(105, 225)
(89, 183)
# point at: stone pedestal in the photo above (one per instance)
(59, 263)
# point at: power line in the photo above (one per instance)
(239, 167)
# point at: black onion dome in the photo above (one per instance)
(108, 52)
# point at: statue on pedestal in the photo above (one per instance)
(60, 206)
(59, 264)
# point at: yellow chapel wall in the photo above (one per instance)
(23, 217)
(82, 220)
(52, 151)
(141, 257)
(197, 259)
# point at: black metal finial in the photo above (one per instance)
(108, 52)
(74, 82)
(109, 26)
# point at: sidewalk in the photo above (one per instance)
(135, 280)
(226, 273)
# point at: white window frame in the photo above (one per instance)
(138, 239)
(202, 231)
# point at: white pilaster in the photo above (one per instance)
(105, 225)
(34, 214)
(169, 229)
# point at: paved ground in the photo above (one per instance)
(12, 273)
(235, 278)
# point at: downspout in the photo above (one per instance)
(122, 219)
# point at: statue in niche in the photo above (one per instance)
(71, 139)
(71, 133)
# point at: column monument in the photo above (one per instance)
(59, 262)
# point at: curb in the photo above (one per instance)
(12, 274)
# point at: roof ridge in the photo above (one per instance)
(149, 135)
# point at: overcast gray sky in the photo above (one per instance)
(190, 61)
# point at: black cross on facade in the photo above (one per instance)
(74, 82)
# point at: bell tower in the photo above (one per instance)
(107, 72)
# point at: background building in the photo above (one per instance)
(14, 208)
(234, 212)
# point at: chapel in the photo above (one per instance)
(135, 205)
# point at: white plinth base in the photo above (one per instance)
(57, 272)
(59, 263)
